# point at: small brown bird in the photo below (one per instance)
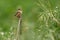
(19, 12)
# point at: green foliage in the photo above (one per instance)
(40, 19)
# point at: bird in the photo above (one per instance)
(18, 13)
(19, 16)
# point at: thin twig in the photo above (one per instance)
(18, 30)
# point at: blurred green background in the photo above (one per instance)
(40, 19)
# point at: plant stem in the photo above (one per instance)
(18, 30)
